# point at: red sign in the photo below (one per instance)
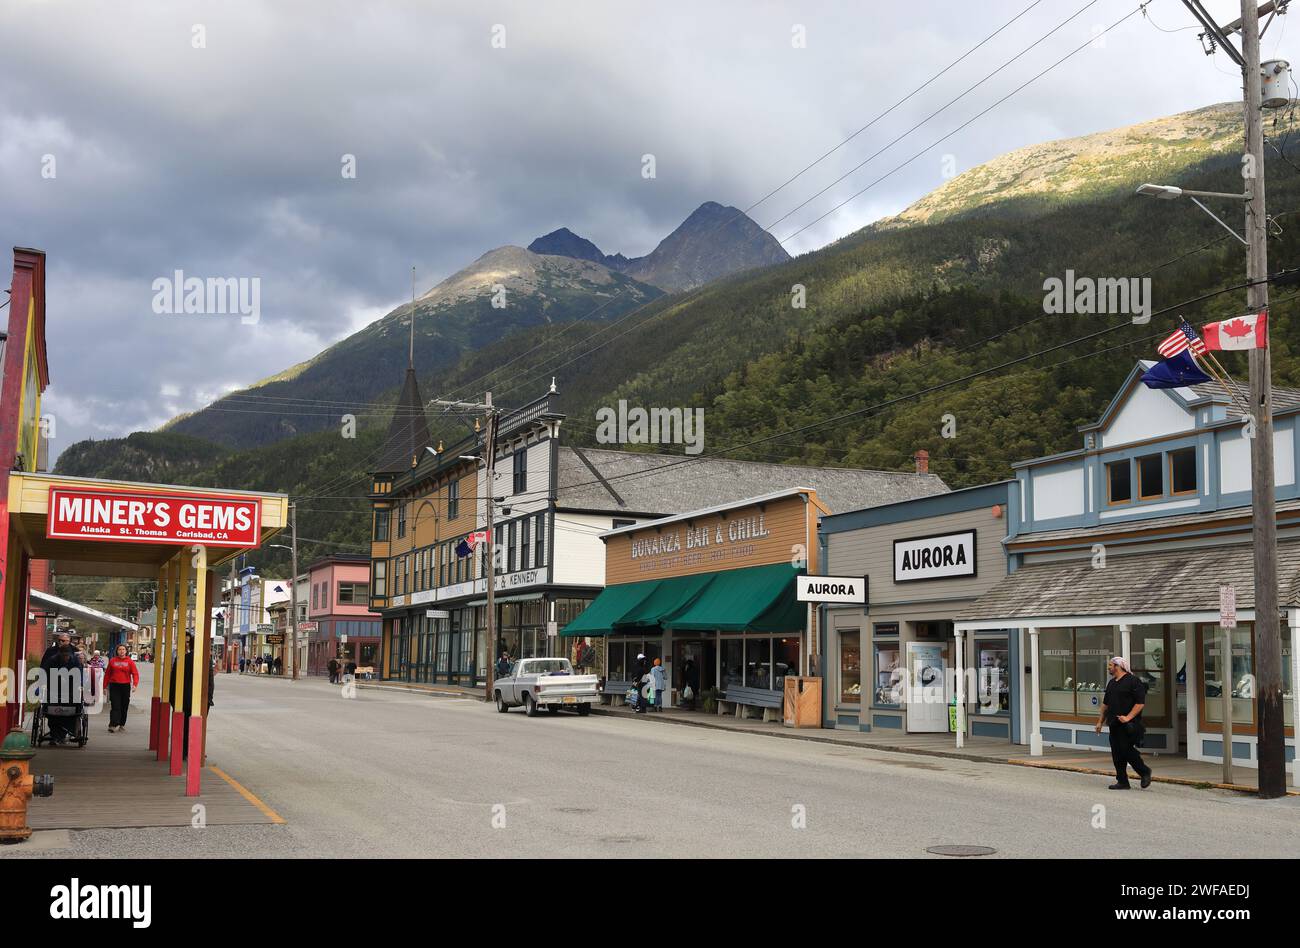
(124, 516)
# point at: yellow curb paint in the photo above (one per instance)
(248, 795)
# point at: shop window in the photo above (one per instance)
(1182, 471)
(851, 667)
(758, 663)
(615, 666)
(733, 663)
(889, 674)
(1119, 482)
(1072, 670)
(1240, 678)
(785, 660)
(993, 670)
(1147, 660)
(1151, 477)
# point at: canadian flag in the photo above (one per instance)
(1240, 332)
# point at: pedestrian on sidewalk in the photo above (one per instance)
(1121, 709)
(640, 679)
(690, 683)
(123, 678)
(333, 667)
(657, 684)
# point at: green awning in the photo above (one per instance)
(669, 597)
(757, 599)
(612, 604)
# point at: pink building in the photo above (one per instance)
(339, 603)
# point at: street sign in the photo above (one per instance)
(265, 628)
(275, 640)
(1228, 607)
(847, 589)
(552, 629)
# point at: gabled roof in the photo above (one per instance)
(408, 432)
(640, 483)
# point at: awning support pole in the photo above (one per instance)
(198, 690)
(1126, 643)
(960, 642)
(162, 666)
(1293, 620)
(178, 664)
(157, 683)
(1035, 736)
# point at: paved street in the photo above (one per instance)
(399, 774)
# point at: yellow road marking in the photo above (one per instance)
(247, 795)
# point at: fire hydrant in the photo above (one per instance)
(17, 786)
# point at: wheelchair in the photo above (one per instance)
(79, 733)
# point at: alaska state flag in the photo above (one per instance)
(1177, 371)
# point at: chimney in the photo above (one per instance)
(922, 459)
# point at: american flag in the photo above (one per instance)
(1181, 339)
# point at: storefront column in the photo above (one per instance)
(195, 702)
(1035, 736)
(1293, 620)
(960, 660)
(1125, 638)
(177, 753)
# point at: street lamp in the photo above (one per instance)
(293, 593)
(1168, 192)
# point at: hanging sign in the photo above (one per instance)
(136, 517)
(937, 557)
(850, 589)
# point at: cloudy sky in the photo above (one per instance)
(139, 138)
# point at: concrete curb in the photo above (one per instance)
(927, 752)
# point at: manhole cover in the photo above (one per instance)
(961, 850)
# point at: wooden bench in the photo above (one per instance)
(738, 700)
(616, 692)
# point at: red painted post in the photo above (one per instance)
(164, 728)
(153, 722)
(194, 765)
(178, 743)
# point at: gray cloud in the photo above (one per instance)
(225, 161)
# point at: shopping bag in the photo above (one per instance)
(687, 693)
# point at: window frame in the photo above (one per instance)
(382, 519)
(453, 499)
(1110, 497)
(1196, 476)
(1141, 491)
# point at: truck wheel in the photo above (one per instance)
(530, 706)
(501, 705)
(584, 710)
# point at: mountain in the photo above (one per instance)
(896, 312)
(714, 242)
(503, 291)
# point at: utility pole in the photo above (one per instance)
(488, 458)
(490, 466)
(230, 617)
(293, 589)
(1268, 643)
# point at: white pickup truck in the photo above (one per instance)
(545, 683)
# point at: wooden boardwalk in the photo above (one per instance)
(115, 782)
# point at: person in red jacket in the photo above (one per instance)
(122, 677)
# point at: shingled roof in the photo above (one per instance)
(661, 484)
(1164, 582)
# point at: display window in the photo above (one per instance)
(889, 675)
(1239, 674)
(851, 667)
(993, 675)
(1072, 671)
